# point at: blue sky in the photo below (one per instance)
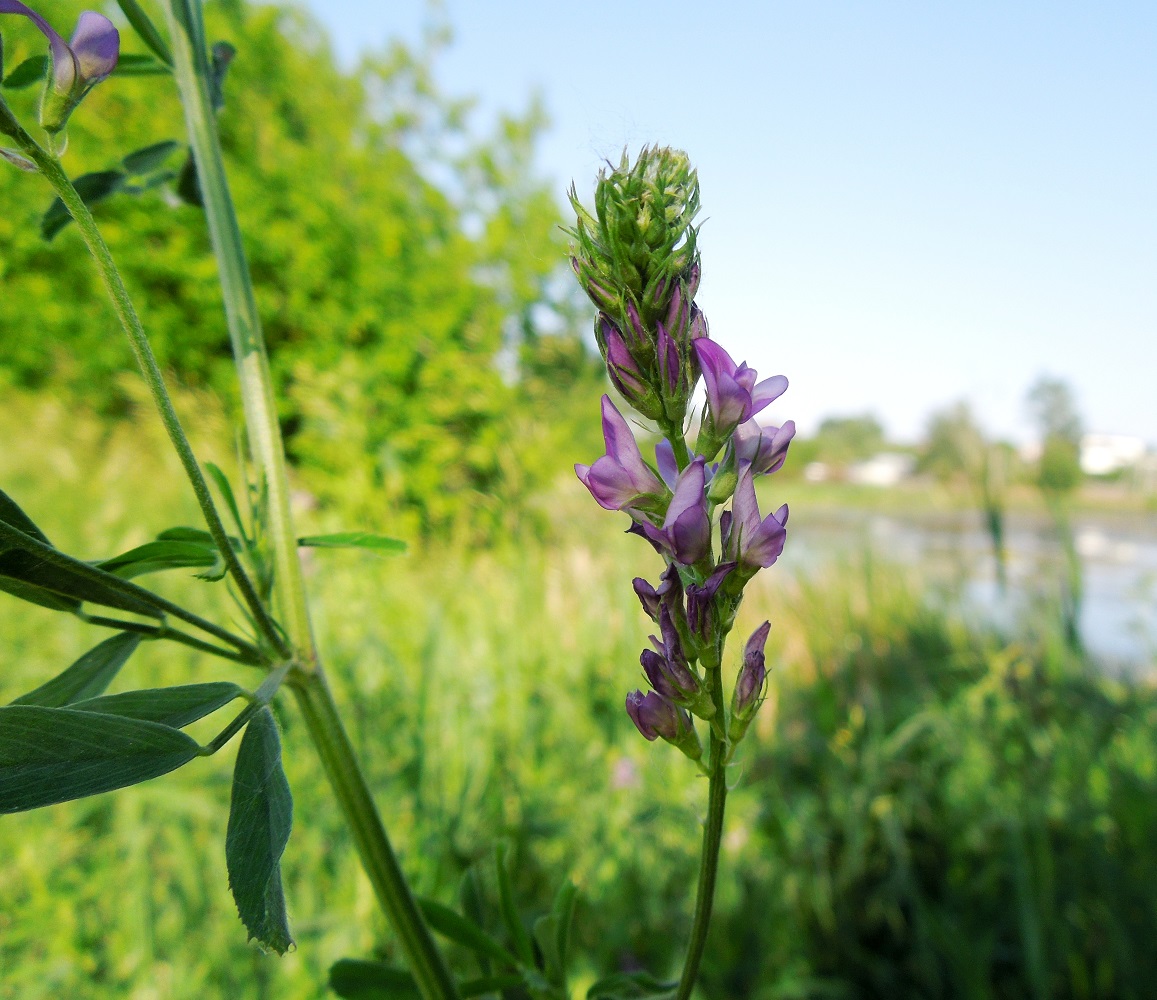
(908, 203)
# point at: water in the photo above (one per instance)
(952, 551)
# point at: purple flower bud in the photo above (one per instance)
(602, 297)
(763, 448)
(701, 604)
(670, 367)
(752, 677)
(693, 280)
(677, 316)
(620, 479)
(77, 66)
(732, 393)
(686, 532)
(640, 340)
(748, 540)
(654, 716)
(648, 597)
(621, 367)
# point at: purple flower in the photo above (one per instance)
(668, 593)
(670, 364)
(621, 478)
(749, 685)
(654, 715)
(746, 539)
(732, 392)
(764, 448)
(77, 66)
(686, 532)
(701, 605)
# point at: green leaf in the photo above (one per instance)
(27, 575)
(11, 514)
(87, 677)
(631, 986)
(152, 557)
(139, 64)
(188, 185)
(510, 917)
(145, 30)
(92, 188)
(353, 540)
(360, 979)
(180, 534)
(50, 755)
(222, 482)
(27, 73)
(150, 158)
(458, 928)
(260, 816)
(553, 931)
(488, 984)
(174, 706)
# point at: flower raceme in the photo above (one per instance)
(77, 65)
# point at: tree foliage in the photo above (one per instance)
(403, 267)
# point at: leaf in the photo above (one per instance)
(488, 984)
(188, 186)
(458, 928)
(27, 575)
(145, 30)
(153, 557)
(92, 188)
(18, 161)
(221, 56)
(173, 706)
(361, 979)
(88, 676)
(150, 158)
(553, 931)
(11, 514)
(631, 986)
(222, 482)
(187, 535)
(50, 755)
(510, 917)
(27, 73)
(353, 540)
(260, 817)
(139, 64)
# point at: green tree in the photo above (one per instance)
(398, 260)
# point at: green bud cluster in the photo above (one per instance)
(637, 259)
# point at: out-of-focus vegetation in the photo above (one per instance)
(407, 271)
(924, 812)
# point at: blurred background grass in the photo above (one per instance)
(925, 809)
(929, 806)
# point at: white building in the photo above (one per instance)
(884, 469)
(1104, 454)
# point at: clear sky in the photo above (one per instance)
(908, 203)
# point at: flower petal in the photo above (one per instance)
(96, 44)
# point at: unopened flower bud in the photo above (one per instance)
(750, 683)
(655, 716)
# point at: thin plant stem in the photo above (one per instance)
(126, 312)
(712, 839)
(175, 635)
(381, 864)
(191, 72)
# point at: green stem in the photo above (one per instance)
(176, 635)
(674, 434)
(191, 71)
(712, 839)
(126, 312)
(373, 844)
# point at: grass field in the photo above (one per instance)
(926, 811)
